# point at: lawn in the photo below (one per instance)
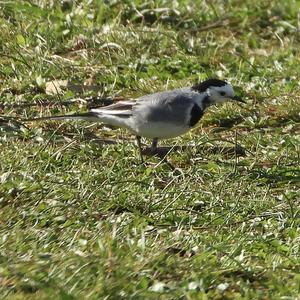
(82, 218)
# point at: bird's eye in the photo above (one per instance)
(222, 93)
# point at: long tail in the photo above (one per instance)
(118, 120)
(89, 116)
(118, 114)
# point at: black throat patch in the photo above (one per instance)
(203, 86)
(196, 115)
(206, 103)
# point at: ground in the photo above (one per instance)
(82, 218)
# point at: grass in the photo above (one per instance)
(82, 219)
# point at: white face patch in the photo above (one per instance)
(227, 89)
(221, 93)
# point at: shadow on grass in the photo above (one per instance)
(276, 175)
(12, 125)
(226, 151)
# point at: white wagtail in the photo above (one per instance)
(160, 115)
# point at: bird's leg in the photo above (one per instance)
(161, 154)
(154, 145)
(138, 138)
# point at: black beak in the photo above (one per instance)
(238, 99)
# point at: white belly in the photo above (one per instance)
(159, 130)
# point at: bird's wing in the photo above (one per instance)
(120, 108)
(170, 107)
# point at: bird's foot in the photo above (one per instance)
(160, 152)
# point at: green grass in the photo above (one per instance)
(80, 217)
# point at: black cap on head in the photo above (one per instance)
(203, 86)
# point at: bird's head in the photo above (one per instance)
(217, 91)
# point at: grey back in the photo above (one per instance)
(171, 106)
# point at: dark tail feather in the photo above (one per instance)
(89, 116)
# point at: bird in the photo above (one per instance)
(161, 115)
